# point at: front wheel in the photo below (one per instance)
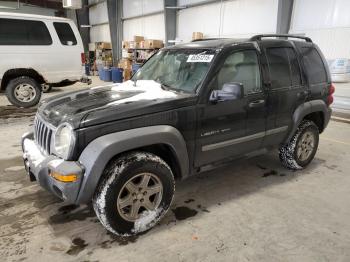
(135, 193)
(301, 149)
(23, 91)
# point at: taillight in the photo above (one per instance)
(331, 91)
(83, 60)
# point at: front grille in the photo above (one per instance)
(42, 135)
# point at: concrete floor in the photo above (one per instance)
(253, 210)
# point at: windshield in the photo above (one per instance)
(182, 70)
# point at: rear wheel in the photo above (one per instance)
(23, 91)
(301, 149)
(136, 192)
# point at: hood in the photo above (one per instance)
(109, 103)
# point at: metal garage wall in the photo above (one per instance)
(239, 18)
(148, 26)
(97, 15)
(27, 9)
(329, 27)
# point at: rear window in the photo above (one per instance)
(314, 66)
(23, 32)
(65, 33)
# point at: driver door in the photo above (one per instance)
(230, 128)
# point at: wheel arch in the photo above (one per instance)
(164, 141)
(18, 72)
(316, 111)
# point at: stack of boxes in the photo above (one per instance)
(136, 52)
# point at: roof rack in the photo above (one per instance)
(258, 37)
(206, 39)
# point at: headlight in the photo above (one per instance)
(64, 140)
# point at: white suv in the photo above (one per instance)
(36, 53)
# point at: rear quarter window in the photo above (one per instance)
(23, 32)
(65, 33)
(315, 70)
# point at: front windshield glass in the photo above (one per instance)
(179, 69)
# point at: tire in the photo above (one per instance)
(46, 88)
(301, 149)
(120, 178)
(30, 94)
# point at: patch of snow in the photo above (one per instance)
(147, 220)
(14, 168)
(55, 163)
(150, 90)
(32, 152)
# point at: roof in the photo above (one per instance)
(31, 16)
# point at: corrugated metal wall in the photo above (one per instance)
(97, 15)
(239, 18)
(149, 26)
(329, 27)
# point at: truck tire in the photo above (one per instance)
(301, 149)
(23, 91)
(135, 193)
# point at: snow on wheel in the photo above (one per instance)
(302, 148)
(136, 191)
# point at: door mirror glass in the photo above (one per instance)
(229, 91)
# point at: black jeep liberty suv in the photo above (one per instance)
(189, 108)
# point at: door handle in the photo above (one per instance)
(257, 103)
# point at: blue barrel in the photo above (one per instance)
(100, 71)
(107, 75)
(87, 69)
(117, 75)
(135, 67)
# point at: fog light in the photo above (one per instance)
(64, 178)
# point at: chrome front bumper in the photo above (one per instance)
(39, 166)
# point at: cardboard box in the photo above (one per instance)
(124, 63)
(127, 74)
(152, 43)
(125, 44)
(133, 44)
(138, 38)
(197, 35)
(104, 45)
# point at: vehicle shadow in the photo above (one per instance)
(195, 197)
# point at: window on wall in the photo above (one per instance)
(65, 33)
(23, 32)
(241, 67)
(314, 66)
(283, 66)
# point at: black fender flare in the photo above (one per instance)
(100, 151)
(305, 109)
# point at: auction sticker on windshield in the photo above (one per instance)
(200, 58)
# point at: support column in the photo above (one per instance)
(115, 12)
(284, 16)
(82, 16)
(170, 21)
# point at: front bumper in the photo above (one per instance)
(39, 166)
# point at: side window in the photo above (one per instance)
(294, 67)
(278, 61)
(65, 33)
(23, 32)
(241, 67)
(314, 66)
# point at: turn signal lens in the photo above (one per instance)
(64, 178)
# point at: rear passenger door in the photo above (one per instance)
(286, 89)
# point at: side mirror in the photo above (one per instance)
(229, 91)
